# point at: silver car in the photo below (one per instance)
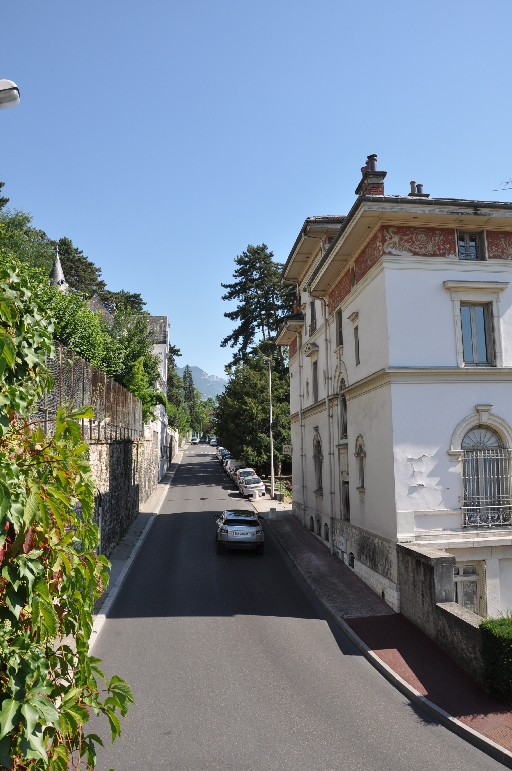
(239, 529)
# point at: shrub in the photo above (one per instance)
(50, 574)
(497, 655)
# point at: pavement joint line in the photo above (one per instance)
(101, 617)
(478, 740)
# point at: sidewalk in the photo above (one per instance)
(417, 661)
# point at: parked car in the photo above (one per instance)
(233, 469)
(249, 484)
(239, 529)
(195, 440)
(244, 472)
(213, 442)
(230, 463)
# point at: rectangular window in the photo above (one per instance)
(471, 246)
(356, 343)
(339, 329)
(315, 381)
(345, 501)
(477, 334)
(312, 317)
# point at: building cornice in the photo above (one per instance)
(421, 375)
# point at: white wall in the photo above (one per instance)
(505, 585)
(420, 310)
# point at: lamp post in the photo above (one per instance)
(272, 480)
(9, 94)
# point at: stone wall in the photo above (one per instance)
(126, 472)
(427, 598)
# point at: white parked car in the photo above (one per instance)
(249, 485)
(195, 440)
(213, 442)
(243, 472)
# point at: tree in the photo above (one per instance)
(262, 300)
(81, 273)
(188, 387)
(114, 301)
(243, 411)
(3, 201)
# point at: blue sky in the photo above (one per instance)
(163, 137)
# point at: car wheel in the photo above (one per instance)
(260, 549)
(220, 548)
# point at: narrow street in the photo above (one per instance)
(235, 666)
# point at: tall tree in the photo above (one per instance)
(81, 273)
(3, 201)
(261, 299)
(188, 387)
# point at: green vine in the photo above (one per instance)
(50, 575)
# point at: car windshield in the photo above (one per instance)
(252, 481)
(246, 473)
(243, 522)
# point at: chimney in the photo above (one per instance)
(417, 191)
(372, 182)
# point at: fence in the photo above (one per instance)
(117, 413)
(487, 487)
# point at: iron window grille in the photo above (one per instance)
(471, 246)
(312, 323)
(339, 329)
(486, 477)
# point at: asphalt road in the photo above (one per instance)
(235, 666)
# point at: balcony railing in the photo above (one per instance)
(312, 327)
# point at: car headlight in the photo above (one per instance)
(259, 532)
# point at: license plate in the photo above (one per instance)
(239, 532)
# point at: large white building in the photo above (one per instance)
(401, 386)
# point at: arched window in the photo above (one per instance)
(486, 476)
(342, 411)
(326, 532)
(312, 524)
(361, 458)
(319, 528)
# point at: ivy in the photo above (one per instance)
(50, 574)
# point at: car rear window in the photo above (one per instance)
(246, 473)
(244, 522)
(252, 481)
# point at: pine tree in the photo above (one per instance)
(188, 387)
(3, 201)
(262, 300)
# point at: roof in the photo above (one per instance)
(57, 275)
(451, 206)
(305, 245)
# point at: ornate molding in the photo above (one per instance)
(481, 416)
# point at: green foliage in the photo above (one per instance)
(497, 655)
(81, 273)
(262, 300)
(29, 245)
(243, 413)
(50, 574)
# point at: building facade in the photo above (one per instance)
(401, 386)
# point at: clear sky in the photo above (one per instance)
(162, 137)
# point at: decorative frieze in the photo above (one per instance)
(370, 255)
(340, 291)
(499, 245)
(420, 242)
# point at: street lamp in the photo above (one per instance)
(272, 481)
(9, 94)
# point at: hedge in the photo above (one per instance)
(497, 655)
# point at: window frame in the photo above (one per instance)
(357, 352)
(314, 380)
(477, 293)
(479, 242)
(339, 328)
(488, 334)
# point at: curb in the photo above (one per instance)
(101, 617)
(478, 740)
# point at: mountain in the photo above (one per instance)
(209, 385)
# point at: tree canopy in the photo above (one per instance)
(261, 300)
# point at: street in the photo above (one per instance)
(235, 665)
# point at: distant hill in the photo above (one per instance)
(209, 385)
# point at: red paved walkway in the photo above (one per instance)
(394, 639)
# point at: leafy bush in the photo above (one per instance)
(50, 573)
(497, 655)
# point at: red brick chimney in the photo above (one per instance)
(372, 182)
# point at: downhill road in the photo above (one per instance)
(235, 666)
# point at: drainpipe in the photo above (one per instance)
(329, 442)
